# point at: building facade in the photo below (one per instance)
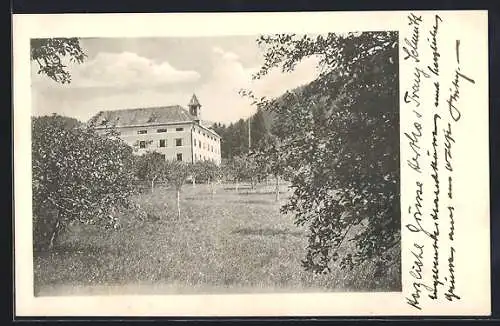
(173, 131)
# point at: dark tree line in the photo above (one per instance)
(235, 135)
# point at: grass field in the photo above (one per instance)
(231, 242)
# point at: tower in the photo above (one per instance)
(194, 107)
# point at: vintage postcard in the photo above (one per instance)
(251, 164)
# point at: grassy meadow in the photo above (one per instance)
(231, 242)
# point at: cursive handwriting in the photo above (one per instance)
(450, 294)
(413, 139)
(411, 48)
(416, 272)
(414, 96)
(448, 141)
(417, 212)
(451, 235)
(434, 68)
(435, 168)
(431, 216)
(455, 91)
(435, 210)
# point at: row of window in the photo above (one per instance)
(204, 158)
(144, 131)
(161, 130)
(196, 157)
(179, 156)
(206, 146)
(178, 143)
(205, 135)
(162, 143)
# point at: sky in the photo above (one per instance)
(121, 73)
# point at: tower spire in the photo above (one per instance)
(194, 107)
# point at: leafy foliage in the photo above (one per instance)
(48, 54)
(206, 171)
(80, 175)
(271, 160)
(270, 157)
(151, 167)
(245, 167)
(339, 135)
(177, 173)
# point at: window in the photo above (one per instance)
(212, 148)
(179, 129)
(199, 144)
(163, 156)
(142, 132)
(142, 144)
(179, 157)
(194, 142)
(162, 142)
(161, 130)
(178, 142)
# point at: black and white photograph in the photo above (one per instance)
(297, 164)
(236, 164)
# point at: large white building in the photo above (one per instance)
(173, 131)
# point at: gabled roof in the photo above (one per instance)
(146, 116)
(143, 116)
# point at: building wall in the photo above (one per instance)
(206, 145)
(197, 143)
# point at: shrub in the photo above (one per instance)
(150, 167)
(78, 176)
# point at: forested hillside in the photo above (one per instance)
(235, 135)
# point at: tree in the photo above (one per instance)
(210, 172)
(151, 167)
(78, 175)
(235, 135)
(200, 171)
(227, 170)
(48, 54)
(176, 173)
(258, 128)
(245, 167)
(340, 137)
(252, 169)
(271, 160)
(238, 170)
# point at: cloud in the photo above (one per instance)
(220, 95)
(225, 55)
(127, 70)
(127, 80)
(83, 103)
